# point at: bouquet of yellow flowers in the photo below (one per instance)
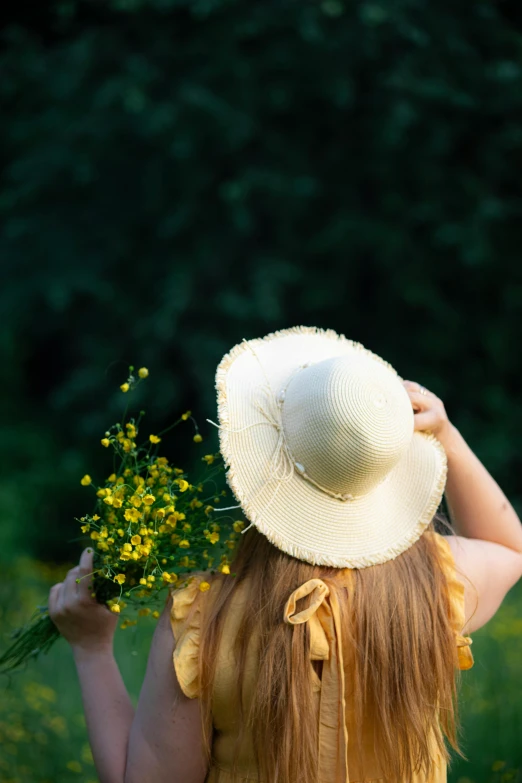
(150, 528)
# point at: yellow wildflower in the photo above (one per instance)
(136, 540)
(208, 458)
(117, 503)
(159, 513)
(213, 538)
(143, 372)
(132, 514)
(125, 387)
(136, 501)
(109, 500)
(195, 503)
(120, 578)
(86, 480)
(238, 526)
(204, 586)
(115, 608)
(105, 442)
(151, 578)
(154, 439)
(225, 569)
(112, 478)
(127, 547)
(95, 535)
(197, 438)
(149, 500)
(131, 430)
(184, 543)
(95, 518)
(125, 556)
(186, 415)
(183, 485)
(120, 532)
(209, 510)
(143, 581)
(134, 555)
(155, 614)
(165, 576)
(85, 528)
(145, 611)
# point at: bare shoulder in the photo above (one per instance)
(488, 571)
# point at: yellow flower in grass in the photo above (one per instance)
(149, 500)
(95, 535)
(125, 387)
(127, 548)
(95, 518)
(120, 578)
(105, 442)
(213, 538)
(155, 614)
(115, 608)
(132, 514)
(204, 586)
(117, 503)
(186, 415)
(109, 500)
(197, 438)
(136, 540)
(143, 581)
(238, 526)
(183, 485)
(143, 372)
(85, 528)
(184, 543)
(86, 480)
(154, 439)
(112, 478)
(145, 611)
(208, 458)
(225, 569)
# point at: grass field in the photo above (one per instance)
(42, 730)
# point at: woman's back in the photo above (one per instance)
(343, 753)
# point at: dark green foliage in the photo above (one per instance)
(182, 174)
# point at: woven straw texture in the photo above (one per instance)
(317, 436)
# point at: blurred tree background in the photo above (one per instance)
(180, 174)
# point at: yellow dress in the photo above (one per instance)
(337, 763)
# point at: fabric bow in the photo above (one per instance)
(324, 621)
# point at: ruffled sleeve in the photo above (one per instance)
(185, 619)
(456, 593)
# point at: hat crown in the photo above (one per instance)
(347, 422)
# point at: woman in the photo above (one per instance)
(343, 627)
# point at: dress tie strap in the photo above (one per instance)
(324, 619)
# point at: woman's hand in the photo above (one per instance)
(429, 413)
(86, 624)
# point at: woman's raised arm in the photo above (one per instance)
(488, 545)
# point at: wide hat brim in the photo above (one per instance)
(296, 516)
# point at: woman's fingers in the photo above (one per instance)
(426, 420)
(54, 597)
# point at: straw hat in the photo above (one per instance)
(317, 435)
